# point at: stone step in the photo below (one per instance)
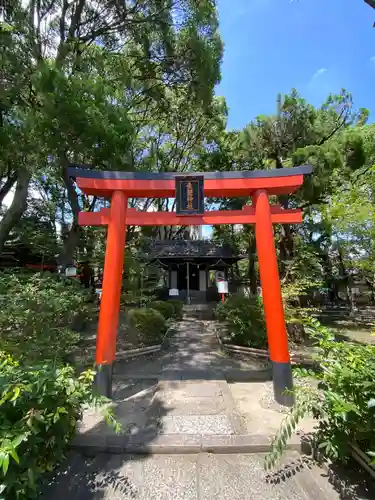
(201, 476)
(198, 311)
(201, 425)
(149, 441)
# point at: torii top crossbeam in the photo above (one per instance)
(259, 185)
(216, 184)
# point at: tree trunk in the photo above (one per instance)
(66, 256)
(372, 290)
(286, 242)
(71, 242)
(236, 272)
(329, 279)
(345, 277)
(251, 273)
(17, 207)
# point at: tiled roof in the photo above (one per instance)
(157, 249)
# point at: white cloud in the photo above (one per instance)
(372, 59)
(317, 80)
(319, 73)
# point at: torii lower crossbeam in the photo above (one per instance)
(259, 185)
(245, 216)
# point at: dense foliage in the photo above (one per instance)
(343, 401)
(244, 319)
(41, 397)
(120, 86)
(331, 250)
(164, 307)
(177, 308)
(147, 325)
(39, 408)
(37, 313)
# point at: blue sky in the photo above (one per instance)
(316, 46)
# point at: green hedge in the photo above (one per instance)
(37, 313)
(165, 308)
(245, 321)
(178, 306)
(148, 325)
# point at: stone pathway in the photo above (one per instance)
(176, 408)
(192, 387)
(186, 477)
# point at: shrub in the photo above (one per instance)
(296, 299)
(343, 403)
(135, 298)
(165, 308)
(37, 313)
(178, 307)
(147, 324)
(39, 409)
(245, 321)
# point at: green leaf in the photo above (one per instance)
(5, 464)
(17, 392)
(30, 475)
(19, 439)
(14, 455)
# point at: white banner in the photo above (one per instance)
(222, 286)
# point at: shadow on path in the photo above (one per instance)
(91, 475)
(192, 355)
(351, 482)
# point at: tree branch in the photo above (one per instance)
(337, 128)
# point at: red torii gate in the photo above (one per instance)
(259, 185)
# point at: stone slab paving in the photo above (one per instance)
(186, 477)
(133, 406)
(183, 391)
(175, 405)
(196, 424)
(259, 413)
(238, 477)
(143, 368)
(193, 389)
(197, 400)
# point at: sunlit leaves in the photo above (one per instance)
(38, 422)
(343, 402)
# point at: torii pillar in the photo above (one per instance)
(259, 185)
(272, 301)
(111, 292)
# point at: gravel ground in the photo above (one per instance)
(267, 401)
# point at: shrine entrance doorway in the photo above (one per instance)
(190, 191)
(188, 277)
